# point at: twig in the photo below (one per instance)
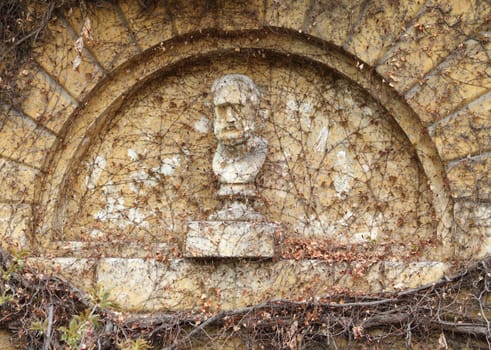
(47, 339)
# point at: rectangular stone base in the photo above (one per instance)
(230, 239)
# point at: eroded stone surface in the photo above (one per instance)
(145, 285)
(465, 133)
(440, 95)
(190, 16)
(333, 21)
(14, 225)
(79, 271)
(381, 23)
(148, 285)
(42, 99)
(230, 239)
(21, 139)
(241, 15)
(149, 29)
(107, 36)
(97, 249)
(5, 343)
(474, 219)
(76, 73)
(17, 183)
(437, 32)
(287, 14)
(471, 177)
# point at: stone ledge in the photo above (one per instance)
(186, 284)
(78, 271)
(152, 284)
(229, 239)
(82, 249)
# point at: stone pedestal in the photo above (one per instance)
(230, 239)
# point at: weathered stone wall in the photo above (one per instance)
(377, 114)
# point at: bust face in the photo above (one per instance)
(234, 115)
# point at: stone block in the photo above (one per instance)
(333, 21)
(110, 248)
(382, 22)
(42, 99)
(111, 42)
(17, 183)
(227, 239)
(474, 224)
(258, 281)
(21, 139)
(462, 77)
(79, 272)
(424, 45)
(184, 284)
(56, 55)
(471, 177)
(148, 285)
(289, 14)
(471, 215)
(149, 27)
(398, 275)
(14, 225)
(464, 133)
(192, 16)
(241, 15)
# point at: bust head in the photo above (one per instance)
(236, 100)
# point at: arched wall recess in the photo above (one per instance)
(93, 117)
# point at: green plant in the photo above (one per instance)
(100, 298)
(39, 326)
(14, 265)
(80, 330)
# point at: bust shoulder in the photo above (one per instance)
(257, 144)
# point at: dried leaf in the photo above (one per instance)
(76, 62)
(86, 30)
(79, 45)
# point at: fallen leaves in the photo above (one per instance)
(325, 250)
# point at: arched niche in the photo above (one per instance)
(87, 122)
(338, 168)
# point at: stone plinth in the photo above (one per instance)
(230, 239)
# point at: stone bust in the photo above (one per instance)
(236, 229)
(240, 153)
